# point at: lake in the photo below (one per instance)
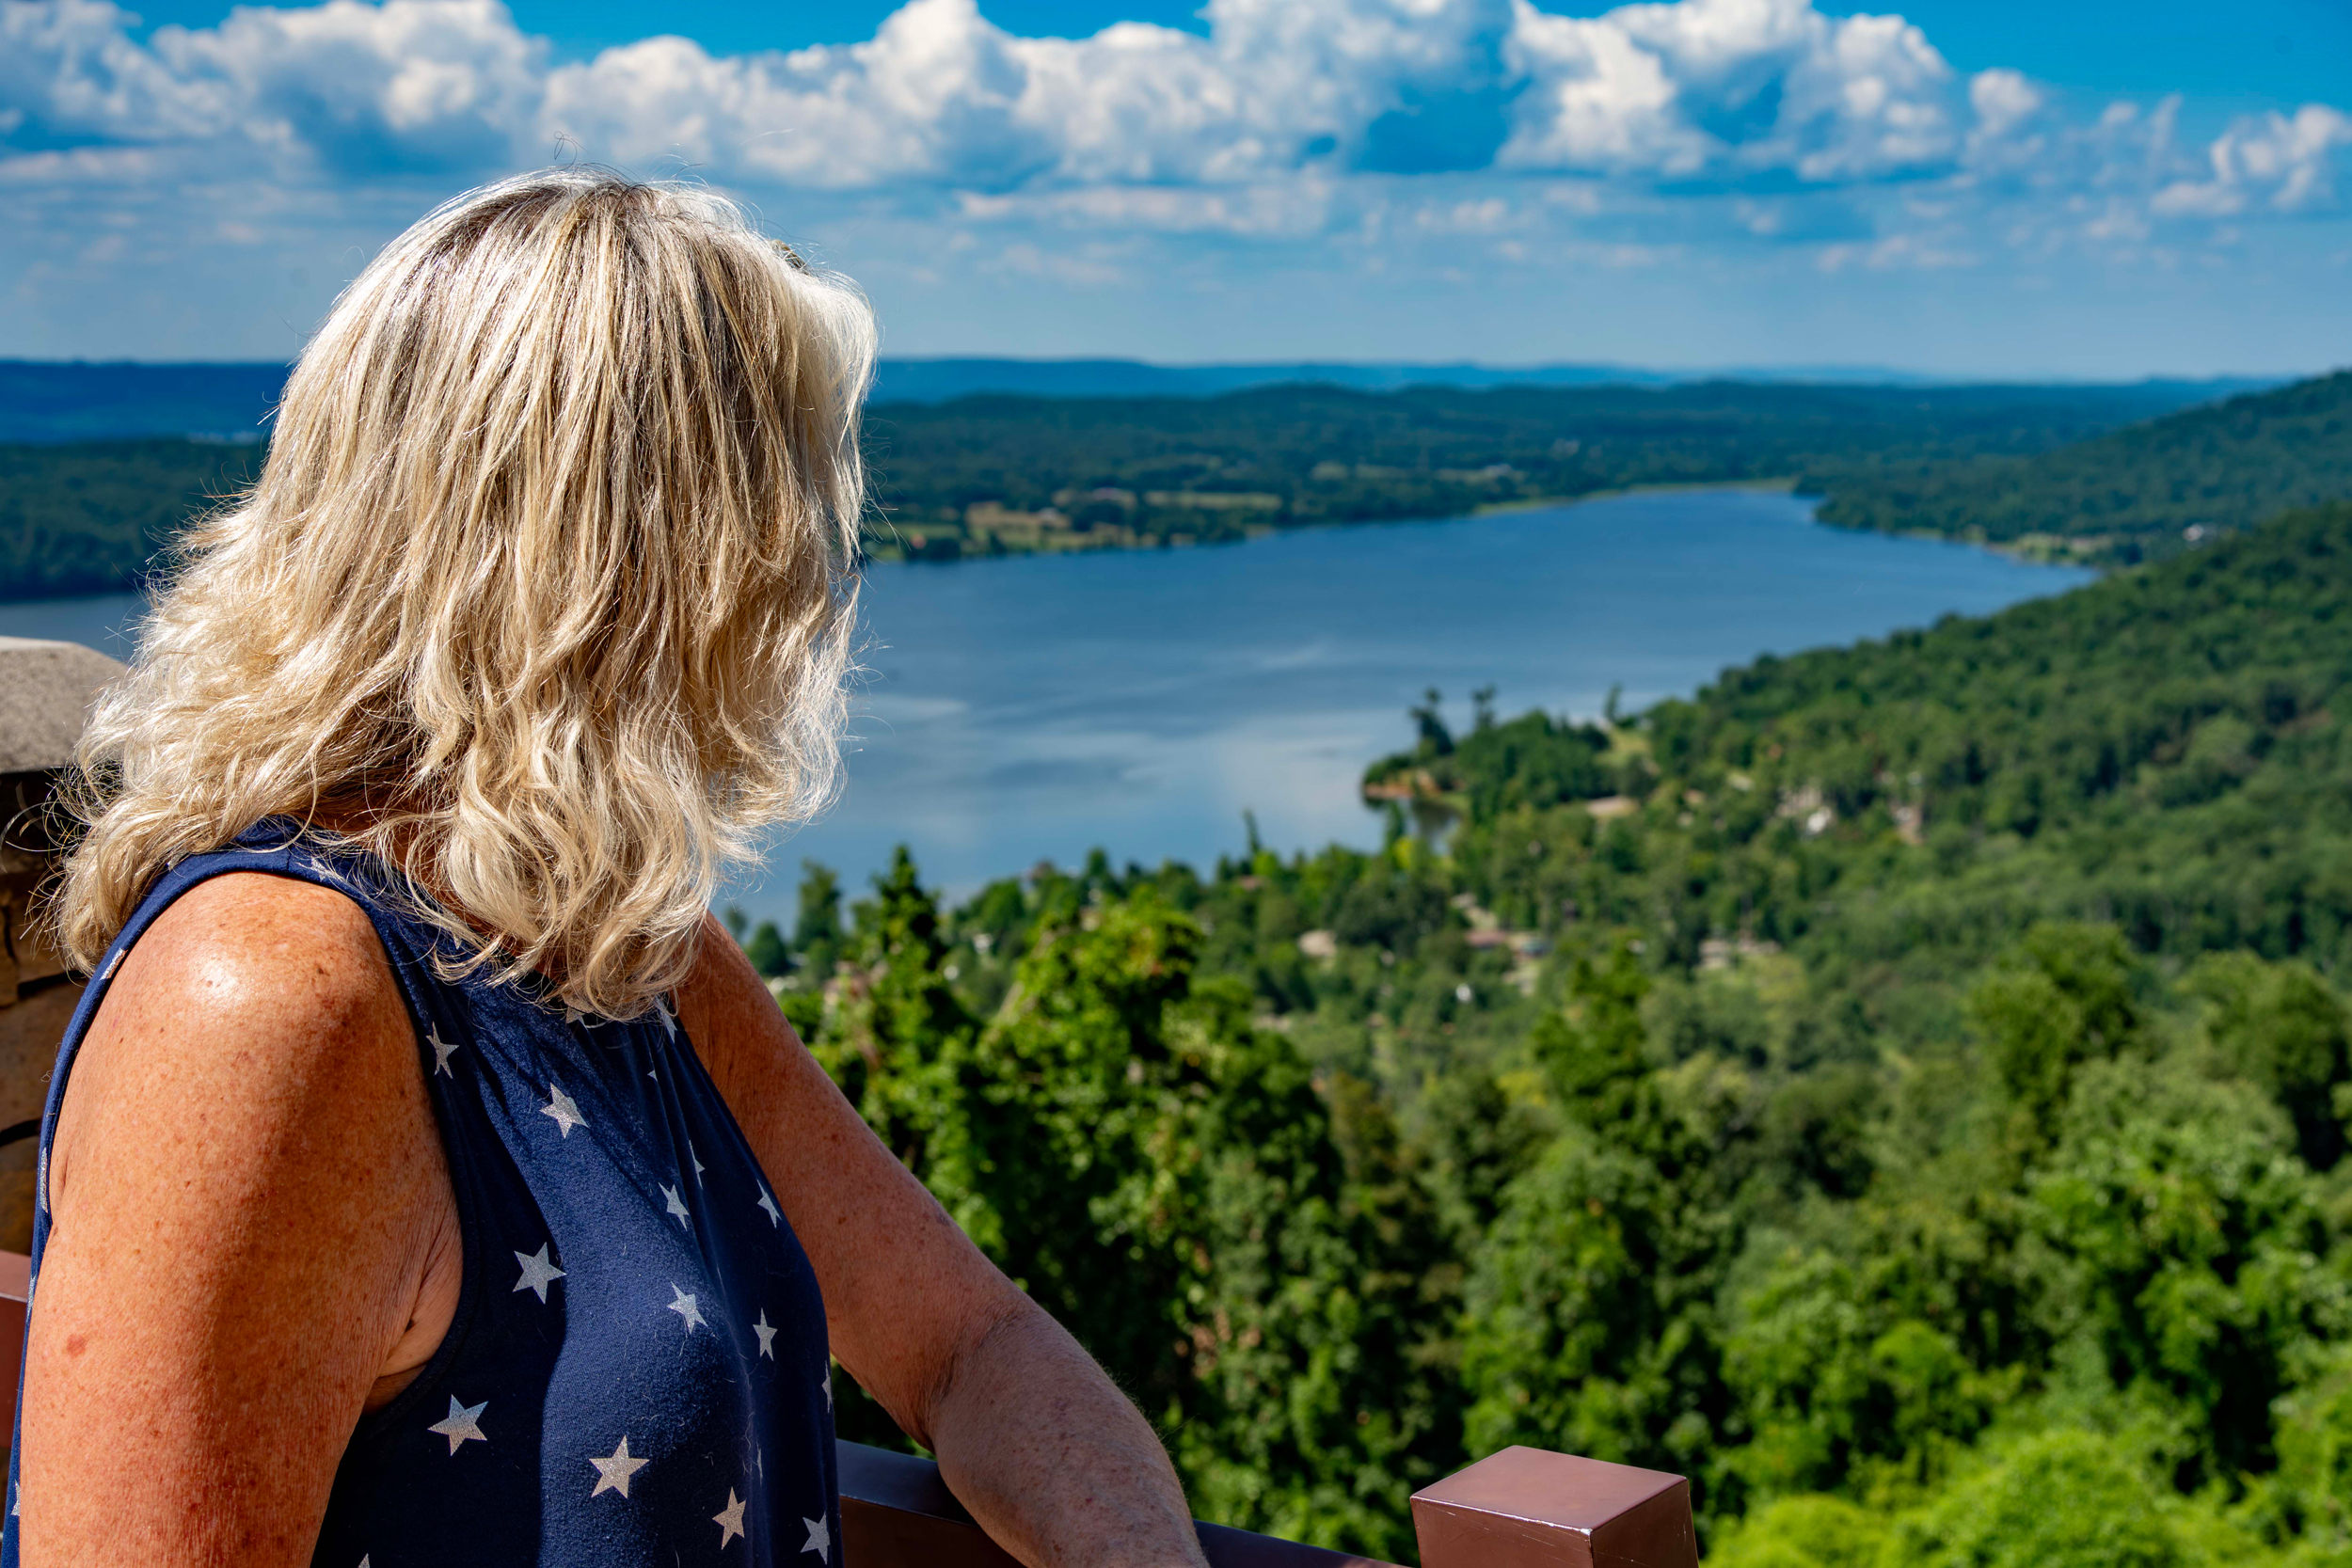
(1027, 709)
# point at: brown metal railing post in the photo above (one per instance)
(1522, 1508)
(1527, 1508)
(16, 1281)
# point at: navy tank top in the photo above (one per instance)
(638, 1371)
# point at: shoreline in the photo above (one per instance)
(2023, 552)
(1111, 542)
(1786, 484)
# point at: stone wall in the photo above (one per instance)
(45, 692)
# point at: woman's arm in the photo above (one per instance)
(245, 1188)
(1048, 1456)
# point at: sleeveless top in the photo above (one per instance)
(638, 1370)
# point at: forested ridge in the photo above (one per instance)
(2149, 489)
(88, 518)
(997, 474)
(1901, 1087)
(986, 473)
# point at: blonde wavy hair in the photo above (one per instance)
(543, 596)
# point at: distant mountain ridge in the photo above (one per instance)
(2149, 489)
(47, 400)
(1004, 473)
(79, 401)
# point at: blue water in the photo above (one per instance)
(1030, 709)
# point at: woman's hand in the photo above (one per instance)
(1052, 1460)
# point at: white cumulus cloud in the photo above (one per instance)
(2282, 163)
(361, 90)
(1728, 90)
(1690, 92)
(70, 70)
(1390, 134)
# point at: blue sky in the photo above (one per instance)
(2264, 52)
(1973, 188)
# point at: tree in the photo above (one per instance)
(2189, 1241)
(817, 933)
(1589, 1312)
(1161, 1176)
(2278, 1026)
(2063, 997)
(766, 951)
(1436, 739)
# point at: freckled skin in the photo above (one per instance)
(254, 1241)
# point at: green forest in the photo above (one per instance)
(85, 518)
(990, 475)
(2106, 475)
(2149, 489)
(1902, 1088)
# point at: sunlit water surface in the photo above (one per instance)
(1030, 709)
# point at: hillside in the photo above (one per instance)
(2124, 495)
(87, 519)
(1902, 1088)
(995, 475)
(985, 474)
(81, 401)
(77, 401)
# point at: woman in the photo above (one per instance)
(425, 1179)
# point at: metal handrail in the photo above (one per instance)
(896, 1511)
(1522, 1508)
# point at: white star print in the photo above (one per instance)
(684, 1306)
(828, 1387)
(612, 1474)
(729, 1519)
(696, 1161)
(463, 1424)
(669, 1024)
(767, 1335)
(442, 1049)
(538, 1274)
(769, 1204)
(676, 1206)
(820, 1540)
(564, 1109)
(573, 1015)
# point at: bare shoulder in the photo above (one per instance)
(245, 1188)
(252, 1000)
(249, 939)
